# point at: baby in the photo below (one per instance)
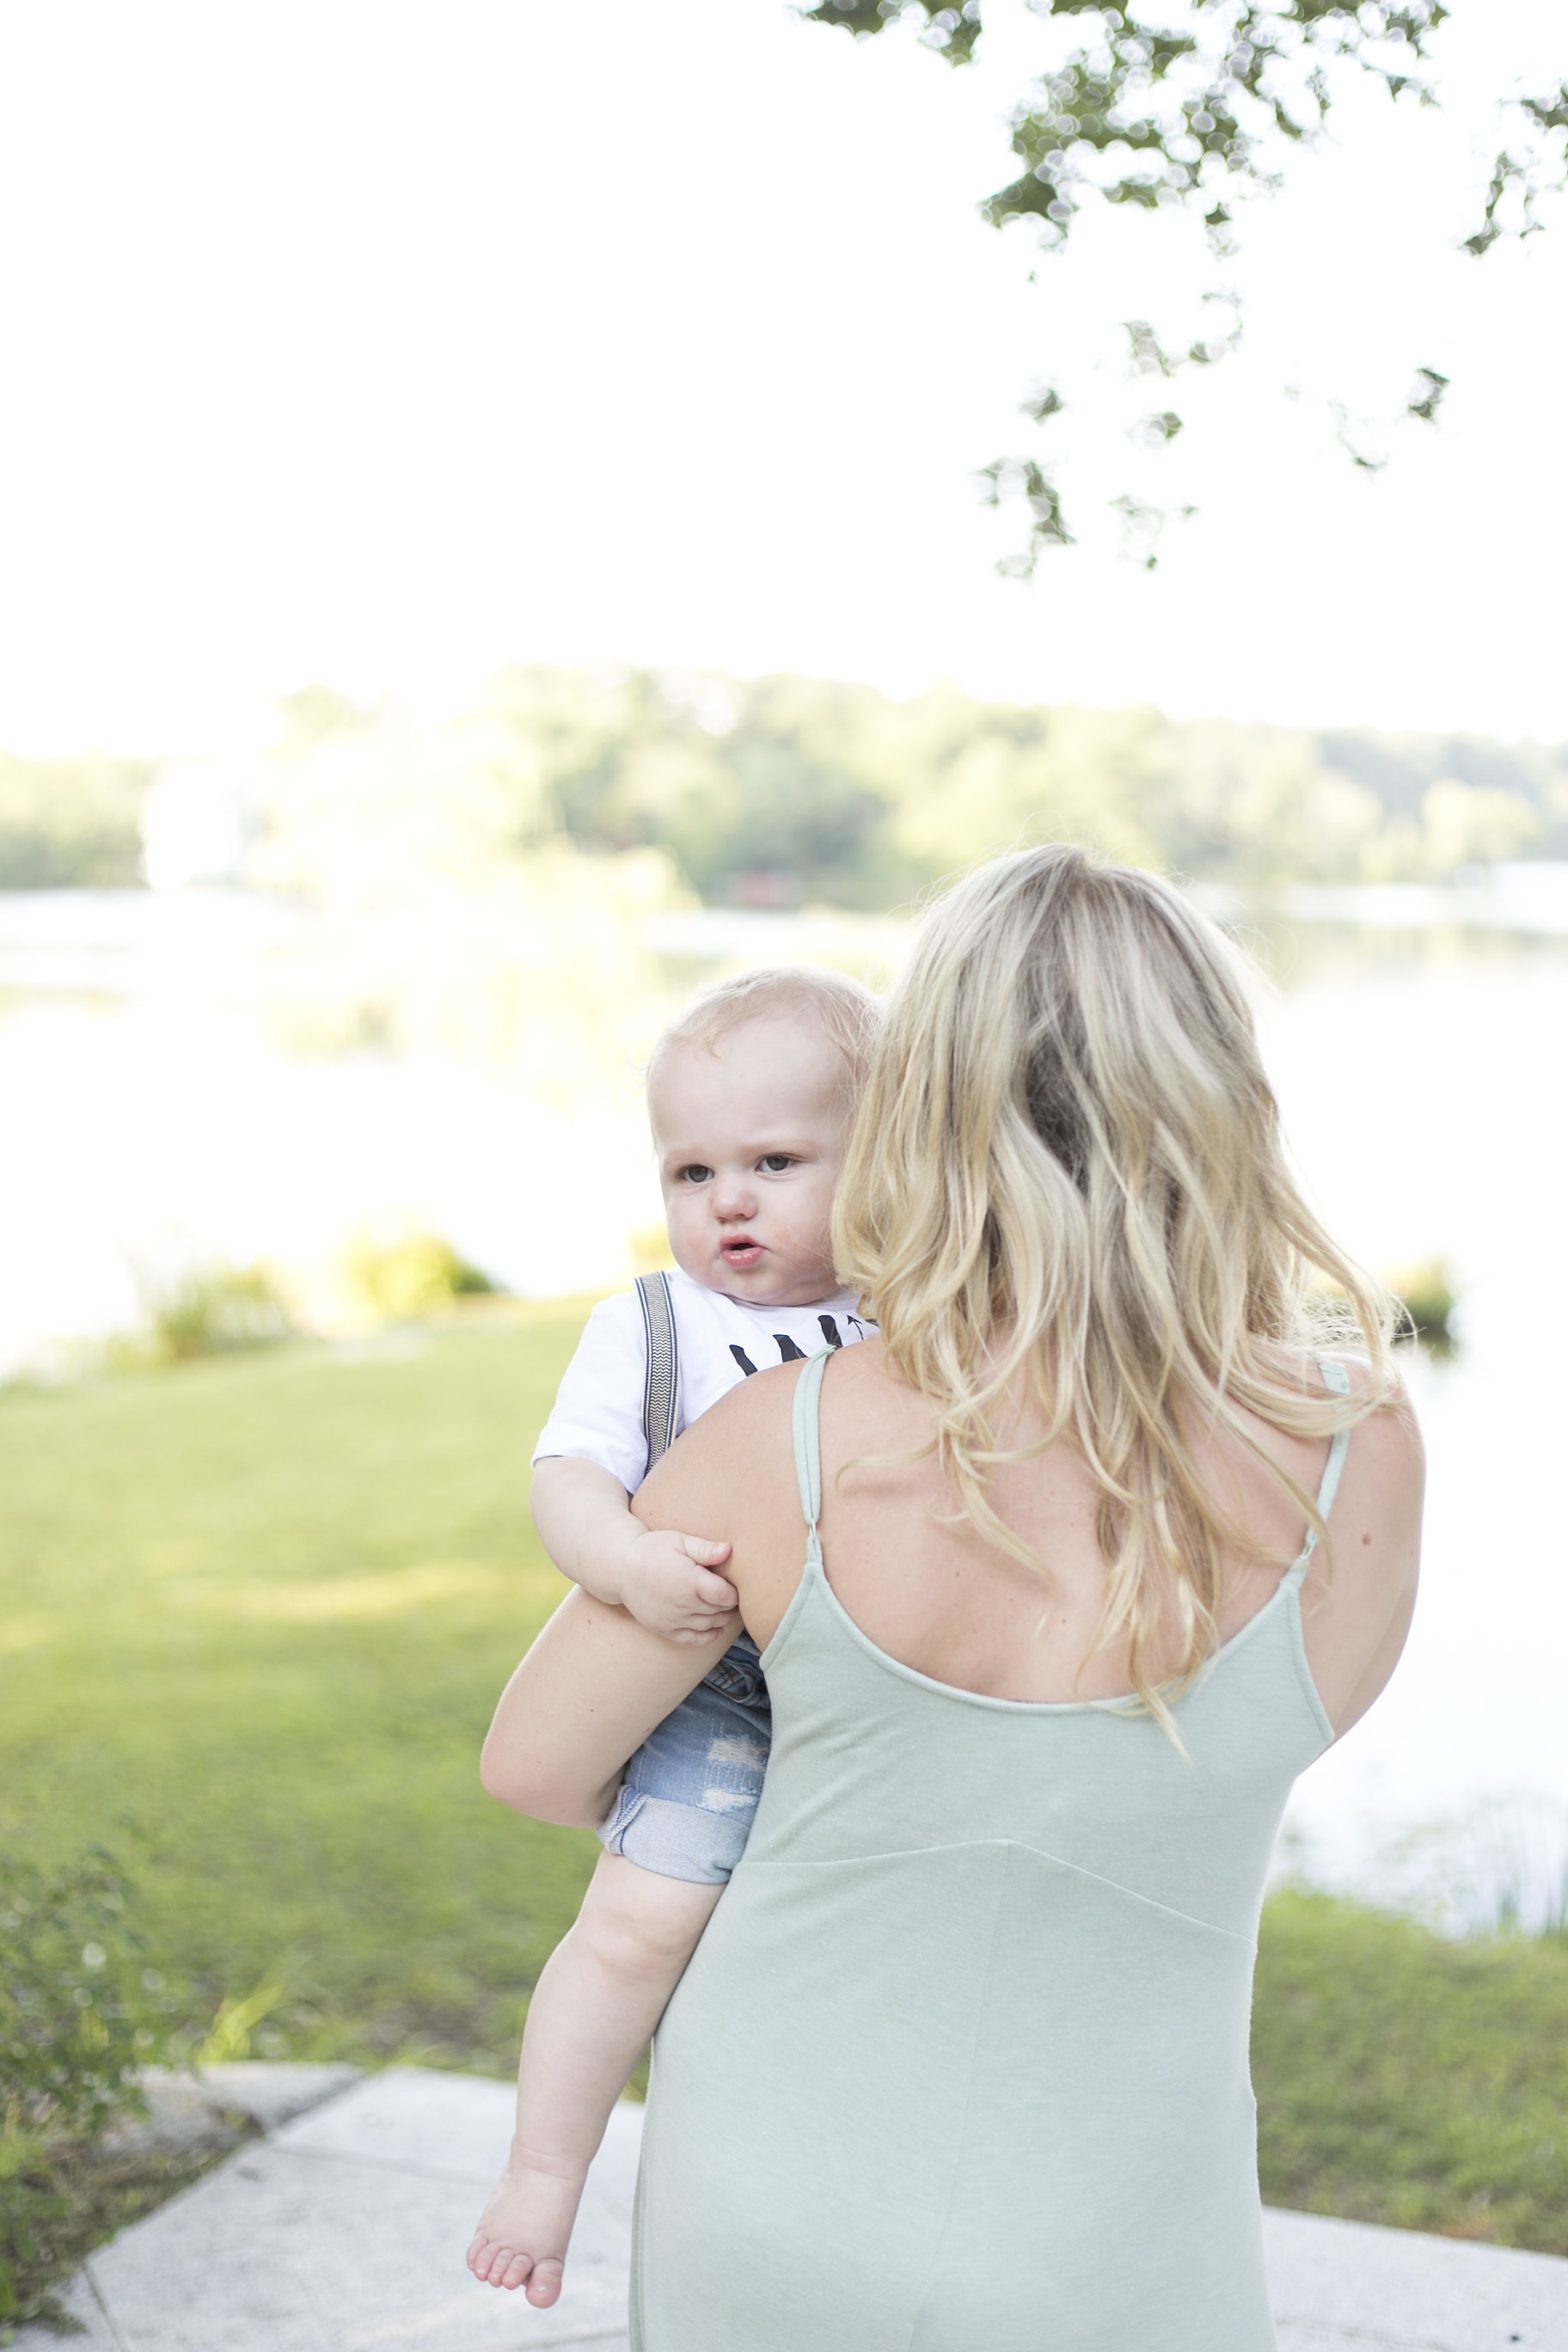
(750, 1095)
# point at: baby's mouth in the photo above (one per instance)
(741, 1252)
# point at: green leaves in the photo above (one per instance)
(72, 2003)
(1194, 111)
(1425, 398)
(1012, 477)
(1045, 401)
(951, 32)
(1157, 117)
(79, 2012)
(1533, 164)
(1144, 113)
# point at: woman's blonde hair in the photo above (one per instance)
(1066, 1184)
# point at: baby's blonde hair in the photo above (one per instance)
(1065, 1185)
(848, 1015)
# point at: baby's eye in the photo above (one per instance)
(774, 1162)
(696, 1173)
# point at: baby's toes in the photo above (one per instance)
(498, 2260)
(491, 2262)
(544, 2286)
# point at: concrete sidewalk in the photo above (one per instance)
(342, 2230)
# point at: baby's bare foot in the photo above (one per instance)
(523, 2231)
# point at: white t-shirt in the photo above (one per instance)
(598, 1407)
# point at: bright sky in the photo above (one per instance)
(387, 344)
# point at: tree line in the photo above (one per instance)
(786, 791)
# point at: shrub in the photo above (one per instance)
(213, 1314)
(71, 824)
(1426, 1292)
(411, 1274)
(79, 2013)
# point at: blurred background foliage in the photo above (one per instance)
(779, 792)
(402, 1273)
(211, 1312)
(65, 822)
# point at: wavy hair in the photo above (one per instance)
(1066, 1184)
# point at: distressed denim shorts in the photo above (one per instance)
(691, 1789)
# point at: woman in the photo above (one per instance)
(961, 2064)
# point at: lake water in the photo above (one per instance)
(1426, 1095)
(1425, 1087)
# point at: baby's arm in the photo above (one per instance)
(664, 1580)
(601, 1993)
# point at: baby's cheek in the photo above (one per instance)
(681, 1225)
(810, 1222)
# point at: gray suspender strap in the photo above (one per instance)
(661, 1382)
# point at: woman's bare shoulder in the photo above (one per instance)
(1388, 1432)
(1385, 1445)
(716, 1467)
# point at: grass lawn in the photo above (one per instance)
(265, 1605)
(1407, 2080)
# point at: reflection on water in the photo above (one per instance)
(1424, 1085)
(1426, 1095)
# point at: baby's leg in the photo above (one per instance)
(677, 1830)
(601, 1994)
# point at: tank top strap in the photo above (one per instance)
(1337, 1379)
(808, 1442)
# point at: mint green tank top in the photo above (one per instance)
(961, 2063)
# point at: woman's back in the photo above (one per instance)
(936, 1593)
(962, 2059)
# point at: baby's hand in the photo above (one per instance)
(667, 1582)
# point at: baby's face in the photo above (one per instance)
(749, 1135)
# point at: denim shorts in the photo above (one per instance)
(691, 1789)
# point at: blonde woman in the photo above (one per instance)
(1099, 1555)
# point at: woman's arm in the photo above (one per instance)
(586, 1696)
(595, 1682)
(1355, 1614)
